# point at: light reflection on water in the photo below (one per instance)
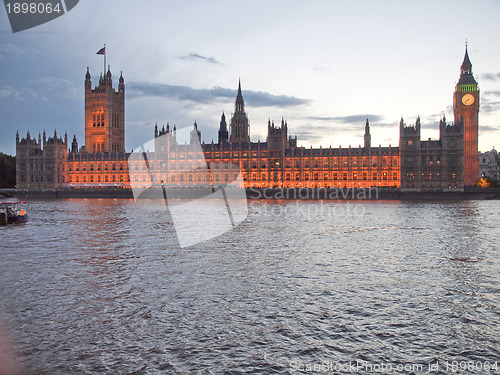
(102, 286)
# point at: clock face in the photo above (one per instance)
(468, 99)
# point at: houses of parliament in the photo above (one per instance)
(449, 163)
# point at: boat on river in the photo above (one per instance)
(11, 212)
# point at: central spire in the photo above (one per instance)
(240, 103)
(240, 127)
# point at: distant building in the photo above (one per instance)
(489, 164)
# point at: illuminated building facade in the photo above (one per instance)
(279, 162)
(104, 115)
(276, 162)
(101, 162)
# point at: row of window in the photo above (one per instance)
(99, 178)
(262, 165)
(91, 167)
(430, 176)
(35, 178)
(264, 153)
(202, 177)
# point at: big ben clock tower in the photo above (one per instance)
(466, 111)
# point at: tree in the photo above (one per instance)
(7, 171)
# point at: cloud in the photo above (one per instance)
(59, 86)
(353, 122)
(352, 119)
(195, 57)
(491, 93)
(322, 69)
(20, 94)
(488, 128)
(314, 131)
(428, 125)
(265, 99)
(11, 50)
(253, 98)
(489, 107)
(311, 137)
(490, 76)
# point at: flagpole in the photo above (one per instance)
(104, 73)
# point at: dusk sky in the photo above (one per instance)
(325, 66)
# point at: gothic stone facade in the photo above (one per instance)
(452, 161)
(40, 168)
(431, 164)
(277, 162)
(104, 115)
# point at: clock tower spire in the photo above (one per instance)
(466, 109)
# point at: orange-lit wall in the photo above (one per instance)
(300, 167)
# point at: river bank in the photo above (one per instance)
(272, 193)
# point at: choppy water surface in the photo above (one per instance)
(101, 286)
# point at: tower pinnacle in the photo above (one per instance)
(240, 128)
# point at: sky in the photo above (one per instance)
(323, 66)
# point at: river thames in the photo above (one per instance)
(102, 286)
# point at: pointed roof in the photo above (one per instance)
(466, 77)
(239, 105)
(239, 97)
(466, 62)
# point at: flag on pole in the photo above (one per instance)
(102, 51)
